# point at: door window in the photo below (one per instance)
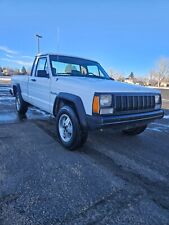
(42, 65)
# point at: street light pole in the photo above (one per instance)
(38, 38)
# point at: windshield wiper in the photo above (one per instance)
(99, 77)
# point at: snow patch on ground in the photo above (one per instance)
(166, 117)
(6, 98)
(40, 111)
(5, 89)
(161, 125)
(165, 100)
(5, 78)
(154, 129)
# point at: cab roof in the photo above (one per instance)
(56, 54)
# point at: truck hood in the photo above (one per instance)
(101, 85)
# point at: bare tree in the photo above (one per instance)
(161, 71)
(116, 75)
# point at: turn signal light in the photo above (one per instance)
(96, 104)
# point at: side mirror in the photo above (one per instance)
(42, 73)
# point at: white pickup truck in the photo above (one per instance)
(81, 96)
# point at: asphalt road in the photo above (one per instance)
(113, 179)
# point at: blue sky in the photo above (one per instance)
(125, 35)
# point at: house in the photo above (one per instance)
(164, 84)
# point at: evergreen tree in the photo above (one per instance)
(23, 70)
(131, 76)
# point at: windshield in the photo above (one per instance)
(72, 66)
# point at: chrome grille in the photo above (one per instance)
(134, 103)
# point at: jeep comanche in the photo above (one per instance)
(81, 96)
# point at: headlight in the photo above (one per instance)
(157, 99)
(102, 104)
(105, 100)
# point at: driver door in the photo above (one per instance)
(40, 85)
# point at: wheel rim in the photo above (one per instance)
(18, 103)
(65, 128)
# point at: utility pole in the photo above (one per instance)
(38, 39)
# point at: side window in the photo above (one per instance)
(42, 65)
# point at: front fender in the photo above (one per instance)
(77, 103)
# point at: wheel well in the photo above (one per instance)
(61, 103)
(77, 105)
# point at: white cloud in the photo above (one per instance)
(14, 57)
(27, 57)
(18, 62)
(7, 50)
(9, 56)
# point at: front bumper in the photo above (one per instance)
(122, 121)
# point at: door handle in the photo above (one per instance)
(33, 79)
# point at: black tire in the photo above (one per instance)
(135, 130)
(77, 137)
(21, 105)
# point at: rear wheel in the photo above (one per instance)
(21, 105)
(68, 128)
(135, 130)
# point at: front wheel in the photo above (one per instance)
(21, 105)
(68, 129)
(135, 130)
